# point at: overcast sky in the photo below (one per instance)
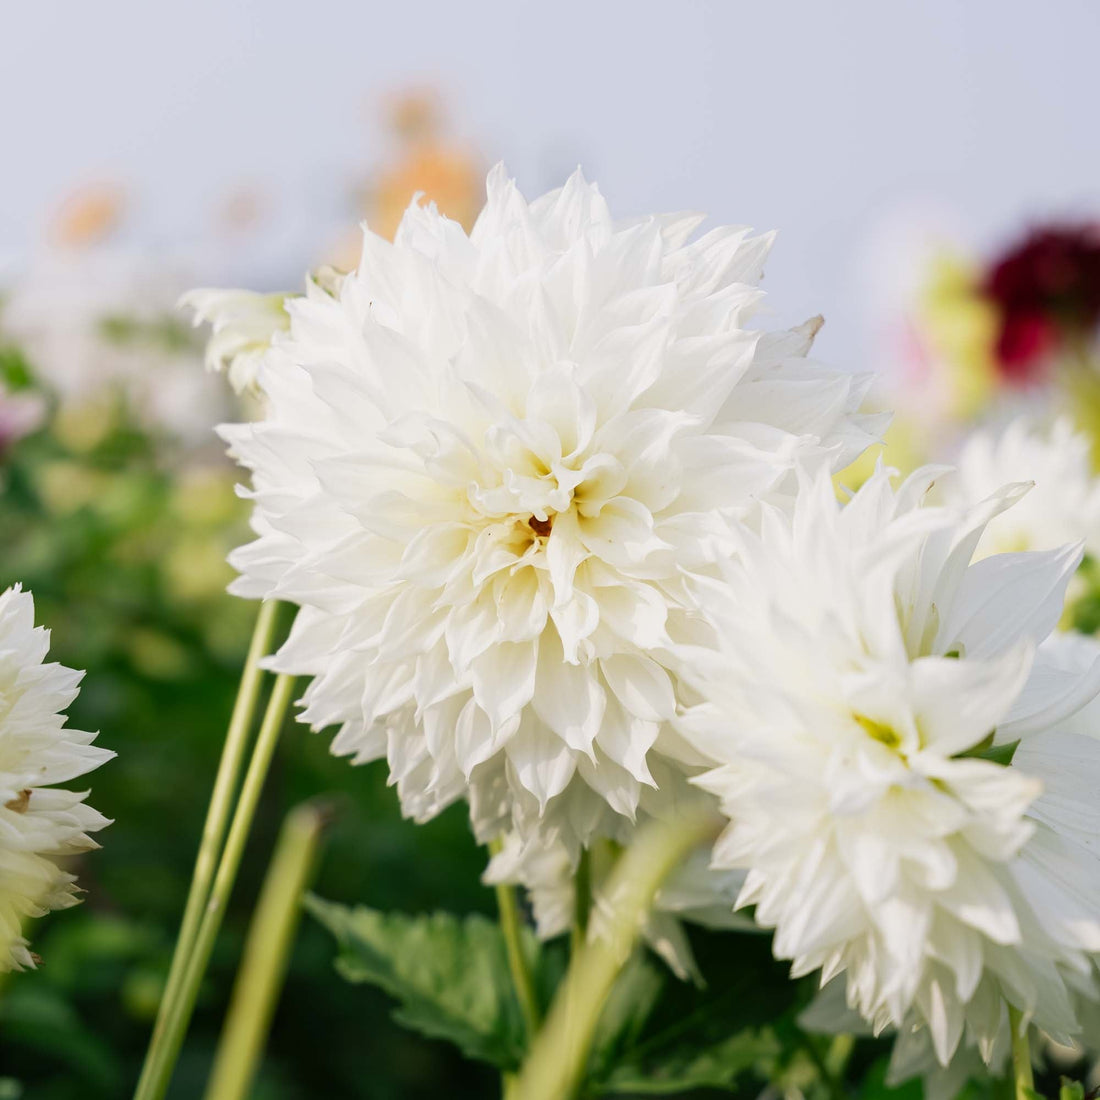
(834, 122)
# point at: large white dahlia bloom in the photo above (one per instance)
(487, 465)
(867, 690)
(38, 821)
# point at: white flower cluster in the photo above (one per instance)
(563, 536)
(38, 820)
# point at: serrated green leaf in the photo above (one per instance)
(449, 974)
(718, 1067)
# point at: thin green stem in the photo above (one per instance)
(213, 831)
(179, 1017)
(267, 954)
(522, 980)
(1021, 1054)
(555, 1067)
(582, 901)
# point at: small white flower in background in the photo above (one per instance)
(103, 319)
(487, 465)
(864, 668)
(38, 821)
(694, 893)
(243, 324)
(1064, 505)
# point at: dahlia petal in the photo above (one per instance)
(503, 679)
(959, 703)
(1008, 597)
(543, 763)
(641, 685)
(568, 697)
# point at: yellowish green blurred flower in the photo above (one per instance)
(960, 326)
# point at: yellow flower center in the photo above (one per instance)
(884, 735)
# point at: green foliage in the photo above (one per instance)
(632, 1000)
(719, 1066)
(1071, 1090)
(449, 974)
(996, 754)
(659, 1036)
(1083, 613)
(167, 332)
(15, 373)
(656, 1035)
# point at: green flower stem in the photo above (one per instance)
(582, 901)
(555, 1067)
(155, 1082)
(267, 954)
(1021, 1055)
(517, 962)
(217, 820)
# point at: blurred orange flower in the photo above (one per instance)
(428, 162)
(88, 215)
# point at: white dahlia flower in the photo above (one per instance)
(243, 324)
(38, 821)
(694, 893)
(488, 463)
(867, 691)
(1064, 505)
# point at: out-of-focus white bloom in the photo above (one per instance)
(243, 324)
(694, 893)
(488, 464)
(20, 414)
(38, 821)
(104, 318)
(865, 667)
(1064, 505)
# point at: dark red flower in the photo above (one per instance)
(1025, 341)
(1047, 290)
